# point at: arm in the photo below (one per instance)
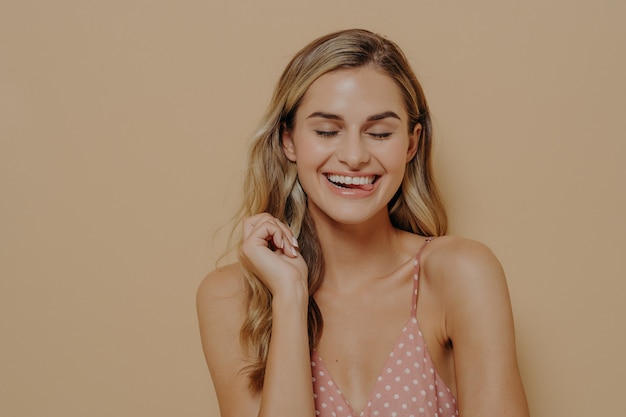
(479, 322)
(220, 304)
(287, 387)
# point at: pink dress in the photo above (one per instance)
(408, 385)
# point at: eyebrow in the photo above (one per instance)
(371, 118)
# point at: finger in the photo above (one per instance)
(290, 243)
(253, 221)
(272, 230)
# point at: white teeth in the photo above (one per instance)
(344, 179)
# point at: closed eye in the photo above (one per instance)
(326, 133)
(380, 135)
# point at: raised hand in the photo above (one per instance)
(270, 251)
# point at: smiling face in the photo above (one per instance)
(350, 142)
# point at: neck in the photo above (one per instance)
(354, 253)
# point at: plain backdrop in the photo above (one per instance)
(123, 126)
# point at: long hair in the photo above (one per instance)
(271, 184)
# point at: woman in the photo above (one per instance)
(343, 302)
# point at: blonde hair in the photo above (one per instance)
(271, 184)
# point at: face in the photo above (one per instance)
(350, 142)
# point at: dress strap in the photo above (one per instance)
(416, 273)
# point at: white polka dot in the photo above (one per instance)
(406, 388)
(388, 387)
(386, 405)
(340, 408)
(407, 371)
(380, 378)
(397, 379)
(330, 383)
(378, 395)
(404, 406)
(421, 410)
(389, 370)
(401, 345)
(331, 398)
(324, 405)
(321, 373)
(322, 389)
(399, 362)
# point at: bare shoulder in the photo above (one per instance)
(220, 301)
(222, 283)
(469, 285)
(467, 280)
(456, 264)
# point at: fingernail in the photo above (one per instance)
(295, 241)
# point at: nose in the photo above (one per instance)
(353, 151)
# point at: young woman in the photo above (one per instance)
(343, 302)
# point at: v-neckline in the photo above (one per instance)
(379, 377)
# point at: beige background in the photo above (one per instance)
(122, 130)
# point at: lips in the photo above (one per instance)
(362, 182)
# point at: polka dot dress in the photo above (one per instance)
(408, 386)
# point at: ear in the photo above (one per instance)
(287, 143)
(413, 141)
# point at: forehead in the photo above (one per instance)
(354, 92)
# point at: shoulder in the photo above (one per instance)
(465, 275)
(221, 301)
(223, 282)
(459, 261)
(469, 286)
(220, 297)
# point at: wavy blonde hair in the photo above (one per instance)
(271, 184)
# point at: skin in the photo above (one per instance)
(352, 122)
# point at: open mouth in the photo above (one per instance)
(358, 182)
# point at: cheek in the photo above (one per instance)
(394, 158)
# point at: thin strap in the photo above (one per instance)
(416, 274)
